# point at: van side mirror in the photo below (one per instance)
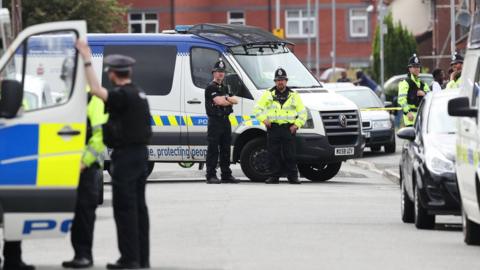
(407, 133)
(460, 106)
(11, 97)
(236, 86)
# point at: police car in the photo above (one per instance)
(41, 137)
(174, 69)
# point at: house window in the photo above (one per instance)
(299, 24)
(142, 22)
(358, 23)
(236, 17)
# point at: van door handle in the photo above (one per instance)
(194, 101)
(68, 131)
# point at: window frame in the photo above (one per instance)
(301, 20)
(143, 21)
(236, 21)
(351, 18)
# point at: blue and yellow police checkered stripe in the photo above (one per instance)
(178, 120)
(35, 155)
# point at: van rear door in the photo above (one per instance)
(42, 143)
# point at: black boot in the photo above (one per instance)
(123, 265)
(18, 266)
(229, 180)
(294, 180)
(272, 180)
(213, 180)
(78, 263)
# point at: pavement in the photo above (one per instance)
(350, 222)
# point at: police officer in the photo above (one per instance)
(128, 132)
(411, 91)
(456, 75)
(218, 105)
(281, 110)
(88, 191)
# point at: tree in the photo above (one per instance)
(102, 16)
(399, 45)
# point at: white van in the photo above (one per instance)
(175, 68)
(468, 137)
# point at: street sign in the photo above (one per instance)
(278, 32)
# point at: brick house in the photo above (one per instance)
(354, 25)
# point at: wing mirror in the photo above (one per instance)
(11, 97)
(407, 133)
(460, 106)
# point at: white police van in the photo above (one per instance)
(175, 68)
(466, 107)
(41, 142)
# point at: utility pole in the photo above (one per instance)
(452, 27)
(309, 45)
(334, 36)
(317, 41)
(16, 17)
(277, 14)
(381, 14)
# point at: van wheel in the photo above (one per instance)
(319, 172)
(408, 213)
(254, 160)
(391, 147)
(423, 220)
(471, 230)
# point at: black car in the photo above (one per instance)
(427, 169)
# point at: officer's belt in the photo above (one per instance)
(287, 125)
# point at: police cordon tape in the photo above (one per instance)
(382, 109)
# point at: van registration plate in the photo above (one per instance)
(346, 151)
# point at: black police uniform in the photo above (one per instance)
(219, 131)
(128, 132)
(12, 254)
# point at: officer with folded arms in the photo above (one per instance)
(128, 132)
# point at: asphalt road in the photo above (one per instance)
(350, 222)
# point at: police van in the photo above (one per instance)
(174, 69)
(42, 136)
(466, 107)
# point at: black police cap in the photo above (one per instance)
(414, 61)
(118, 62)
(219, 66)
(456, 58)
(280, 74)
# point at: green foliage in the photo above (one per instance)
(102, 16)
(399, 45)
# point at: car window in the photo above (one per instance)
(154, 68)
(362, 98)
(438, 119)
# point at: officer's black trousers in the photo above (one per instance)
(129, 205)
(219, 140)
(282, 151)
(84, 219)
(12, 253)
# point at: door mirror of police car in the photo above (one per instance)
(11, 97)
(236, 86)
(460, 107)
(407, 133)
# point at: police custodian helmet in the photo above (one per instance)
(414, 61)
(219, 66)
(456, 58)
(280, 74)
(118, 62)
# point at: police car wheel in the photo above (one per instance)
(471, 230)
(150, 167)
(254, 160)
(319, 172)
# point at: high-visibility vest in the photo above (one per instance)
(94, 149)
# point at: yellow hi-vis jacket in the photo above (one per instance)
(454, 84)
(95, 147)
(291, 112)
(404, 99)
